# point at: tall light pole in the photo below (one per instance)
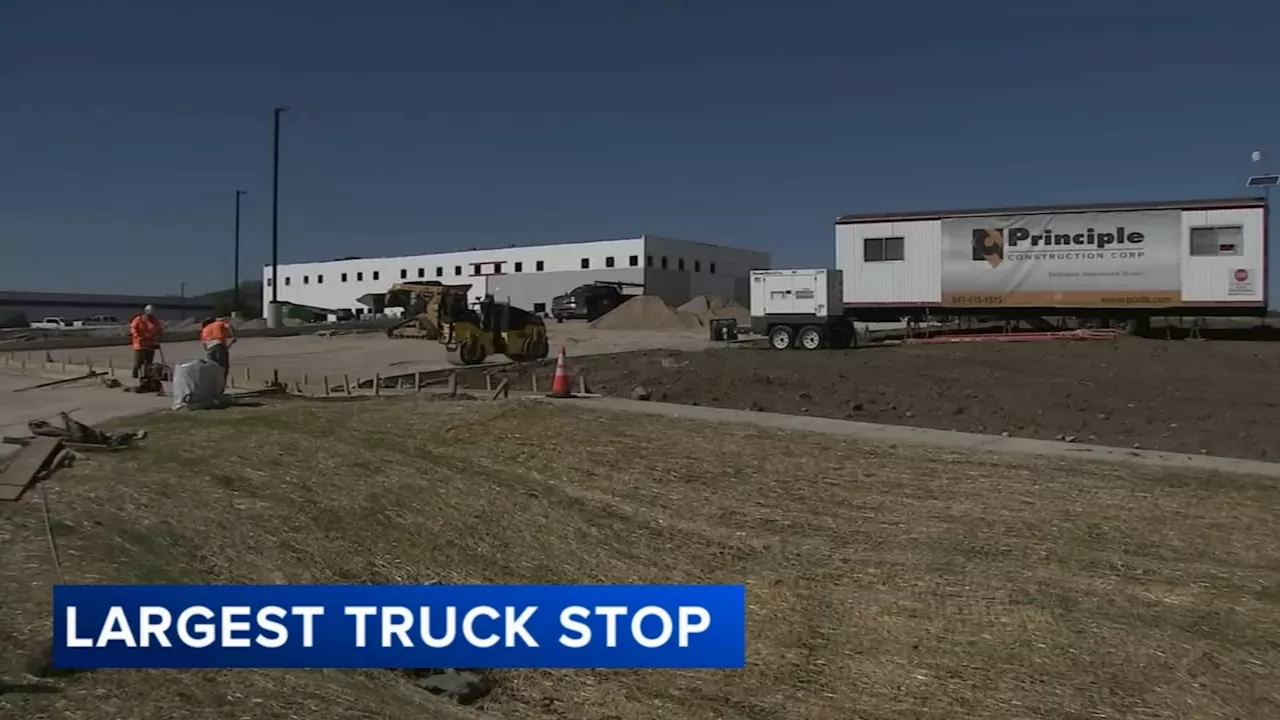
(1265, 181)
(273, 310)
(235, 273)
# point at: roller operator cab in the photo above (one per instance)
(800, 309)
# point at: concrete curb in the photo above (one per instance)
(874, 432)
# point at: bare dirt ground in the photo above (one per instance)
(1218, 398)
(882, 583)
(363, 355)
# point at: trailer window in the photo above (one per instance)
(608, 261)
(1217, 241)
(886, 249)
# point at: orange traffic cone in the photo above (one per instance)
(560, 383)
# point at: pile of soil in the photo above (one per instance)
(714, 307)
(647, 312)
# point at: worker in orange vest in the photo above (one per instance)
(145, 332)
(217, 336)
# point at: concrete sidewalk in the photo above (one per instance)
(872, 432)
(87, 401)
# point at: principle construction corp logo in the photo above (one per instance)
(996, 245)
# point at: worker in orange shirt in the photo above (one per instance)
(145, 332)
(217, 336)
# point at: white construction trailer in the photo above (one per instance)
(1118, 263)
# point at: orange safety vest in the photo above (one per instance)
(216, 331)
(144, 332)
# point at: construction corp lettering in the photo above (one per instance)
(1063, 260)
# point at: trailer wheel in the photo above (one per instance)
(843, 336)
(781, 338)
(812, 337)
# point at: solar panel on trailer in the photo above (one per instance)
(1264, 180)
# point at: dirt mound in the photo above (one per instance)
(647, 312)
(711, 307)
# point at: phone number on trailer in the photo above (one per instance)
(977, 299)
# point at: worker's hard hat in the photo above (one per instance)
(150, 309)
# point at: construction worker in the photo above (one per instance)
(217, 336)
(145, 332)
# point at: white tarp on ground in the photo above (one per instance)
(198, 385)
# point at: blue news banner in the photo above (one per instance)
(400, 626)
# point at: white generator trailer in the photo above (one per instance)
(800, 309)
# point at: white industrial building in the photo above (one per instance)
(529, 276)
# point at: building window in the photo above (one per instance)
(457, 269)
(422, 272)
(664, 262)
(586, 263)
(439, 271)
(1216, 241)
(360, 277)
(680, 264)
(286, 279)
(306, 279)
(268, 282)
(344, 277)
(608, 262)
(538, 266)
(648, 261)
(319, 279)
(697, 266)
(404, 273)
(375, 274)
(711, 268)
(539, 307)
(634, 261)
(888, 249)
(519, 266)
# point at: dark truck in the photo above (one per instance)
(590, 301)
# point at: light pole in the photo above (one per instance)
(273, 309)
(235, 274)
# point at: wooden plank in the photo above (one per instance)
(23, 468)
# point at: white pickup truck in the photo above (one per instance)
(58, 323)
(52, 323)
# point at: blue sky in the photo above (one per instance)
(126, 126)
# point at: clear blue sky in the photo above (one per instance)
(126, 126)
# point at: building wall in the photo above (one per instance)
(1208, 279)
(322, 284)
(916, 279)
(710, 269)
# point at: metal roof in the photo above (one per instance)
(1207, 204)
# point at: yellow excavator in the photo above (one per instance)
(435, 311)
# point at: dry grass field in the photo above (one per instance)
(884, 582)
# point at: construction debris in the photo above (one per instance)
(462, 686)
(64, 381)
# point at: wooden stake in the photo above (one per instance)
(247, 379)
(417, 381)
(305, 381)
(488, 382)
(326, 385)
(582, 383)
(377, 383)
(453, 384)
(346, 384)
(501, 391)
(111, 366)
(275, 376)
(534, 377)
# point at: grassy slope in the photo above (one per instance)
(883, 582)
